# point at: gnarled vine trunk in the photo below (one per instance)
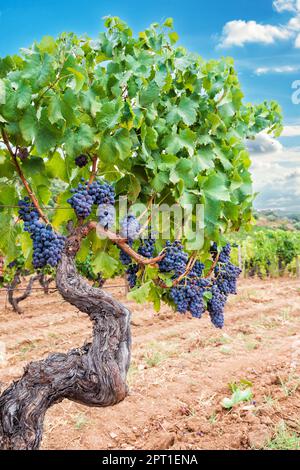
(15, 300)
(94, 375)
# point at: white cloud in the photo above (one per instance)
(239, 32)
(264, 143)
(282, 69)
(291, 131)
(285, 5)
(276, 176)
(294, 23)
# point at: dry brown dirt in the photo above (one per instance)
(180, 372)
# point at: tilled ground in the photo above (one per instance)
(180, 371)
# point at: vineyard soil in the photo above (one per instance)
(179, 373)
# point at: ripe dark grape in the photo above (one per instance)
(178, 295)
(12, 264)
(106, 215)
(175, 258)
(132, 275)
(130, 227)
(81, 201)
(23, 153)
(224, 255)
(47, 244)
(124, 257)
(188, 296)
(27, 211)
(81, 160)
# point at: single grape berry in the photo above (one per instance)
(81, 160)
(22, 153)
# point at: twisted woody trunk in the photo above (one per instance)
(94, 375)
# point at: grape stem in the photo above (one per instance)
(94, 169)
(212, 266)
(189, 267)
(22, 177)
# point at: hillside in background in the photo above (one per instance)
(278, 219)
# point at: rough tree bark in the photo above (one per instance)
(94, 375)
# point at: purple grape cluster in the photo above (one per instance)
(130, 227)
(147, 248)
(189, 295)
(225, 254)
(85, 196)
(215, 306)
(47, 244)
(124, 257)
(102, 193)
(81, 201)
(175, 258)
(132, 275)
(81, 160)
(226, 276)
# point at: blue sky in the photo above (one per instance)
(262, 36)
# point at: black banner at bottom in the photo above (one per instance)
(140, 458)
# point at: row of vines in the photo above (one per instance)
(266, 252)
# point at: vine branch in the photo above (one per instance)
(22, 177)
(94, 169)
(81, 232)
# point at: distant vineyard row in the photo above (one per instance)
(267, 252)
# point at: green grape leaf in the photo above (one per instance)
(105, 264)
(140, 294)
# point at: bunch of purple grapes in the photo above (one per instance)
(175, 258)
(190, 293)
(132, 275)
(81, 201)
(124, 257)
(147, 248)
(216, 306)
(47, 244)
(102, 193)
(85, 196)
